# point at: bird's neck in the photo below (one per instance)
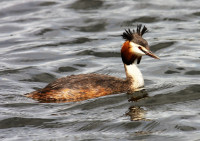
(134, 76)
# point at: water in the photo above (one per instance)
(42, 40)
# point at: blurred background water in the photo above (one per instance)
(41, 40)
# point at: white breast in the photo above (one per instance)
(134, 74)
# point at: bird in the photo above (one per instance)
(81, 87)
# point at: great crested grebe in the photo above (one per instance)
(86, 86)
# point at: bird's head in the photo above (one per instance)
(135, 46)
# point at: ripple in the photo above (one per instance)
(22, 122)
(48, 3)
(193, 72)
(79, 40)
(43, 31)
(21, 8)
(174, 19)
(196, 13)
(93, 28)
(9, 71)
(180, 68)
(66, 69)
(185, 128)
(9, 29)
(163, 45)
(171, 72)
(80, 65)
(144, 19)
(99, 54)
(87, 5)
(42, 77)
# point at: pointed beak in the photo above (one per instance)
(148, 52)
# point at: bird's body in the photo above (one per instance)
(86, 86)
(80, 87)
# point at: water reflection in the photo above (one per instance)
(137, 95)
(141, 100)
(136, 112)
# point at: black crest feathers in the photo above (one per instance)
(129, 35)
(141, 32)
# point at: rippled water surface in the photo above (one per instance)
(41, 40)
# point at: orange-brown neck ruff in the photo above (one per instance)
(128, 57)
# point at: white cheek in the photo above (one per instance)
(136, 50)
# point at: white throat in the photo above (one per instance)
(134, 75)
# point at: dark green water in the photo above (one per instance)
(41, 40)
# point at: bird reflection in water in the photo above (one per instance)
(136, 112)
